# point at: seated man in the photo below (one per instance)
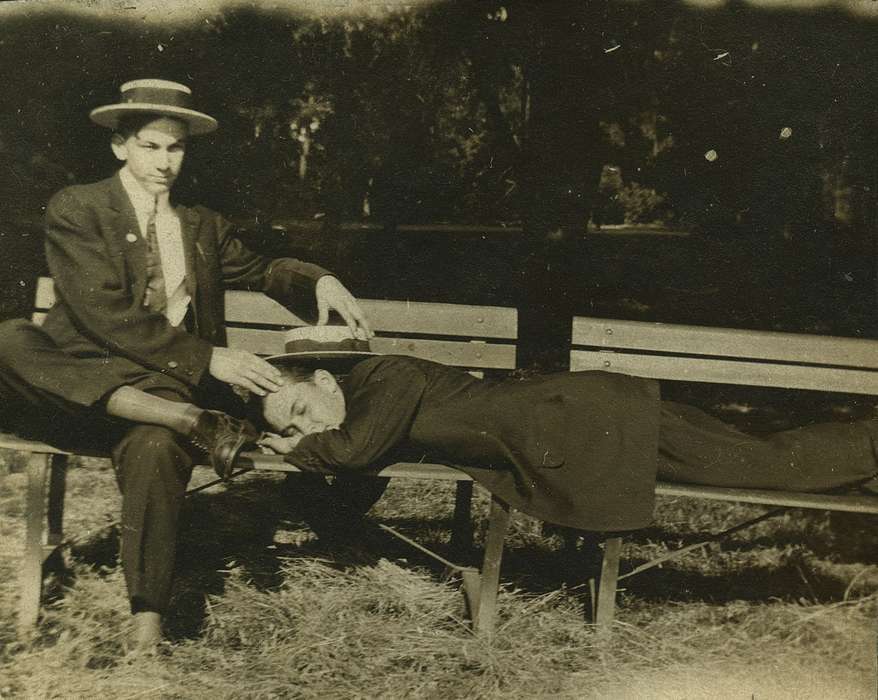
(578, 449)
(138, 331)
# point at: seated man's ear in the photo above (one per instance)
(326, 381)
(120, 146)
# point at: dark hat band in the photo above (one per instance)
(347, 345)
(157, 95)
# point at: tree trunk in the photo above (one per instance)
(562, 164)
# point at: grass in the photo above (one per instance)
(264, 609)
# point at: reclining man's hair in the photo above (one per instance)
(295, 374)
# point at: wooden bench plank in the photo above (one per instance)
(413, 470)
(853, 503)
(740, 372)
(426, 318)
(724, 342)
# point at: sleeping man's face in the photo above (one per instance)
(304, 407)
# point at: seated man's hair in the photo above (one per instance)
(130, 124)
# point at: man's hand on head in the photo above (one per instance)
(332, 294)
(246, 370)
(277, 444)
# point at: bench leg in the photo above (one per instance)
(498, 523)
(31, 573)
(462, 528)
(606, 602)
(57, 491)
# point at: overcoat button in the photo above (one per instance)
(131, 238)
(173, 364)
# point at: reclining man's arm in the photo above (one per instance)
(383, 403)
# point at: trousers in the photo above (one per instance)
(152, 464)
(697, 448)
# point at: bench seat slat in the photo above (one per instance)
(412, 470)
(9, 441)
(477, 355)
(426, 318)
(423, 470)
(724, 342)
(853, 381)
(845, 502)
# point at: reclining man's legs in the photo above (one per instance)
(697, 448)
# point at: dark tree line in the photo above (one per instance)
(737, 121)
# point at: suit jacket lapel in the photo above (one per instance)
(189, 225)
(125, 231)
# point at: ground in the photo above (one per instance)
(265, 609)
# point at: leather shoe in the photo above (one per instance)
(222, 438)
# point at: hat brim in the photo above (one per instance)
(199, 123)
(333, 360)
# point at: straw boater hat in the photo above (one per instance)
(153, 96)
(332, 348)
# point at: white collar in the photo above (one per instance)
(141, 200)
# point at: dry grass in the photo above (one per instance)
(264, 610)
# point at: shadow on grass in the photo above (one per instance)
(793, 580)
(236, 530)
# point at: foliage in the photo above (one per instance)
(434, 112)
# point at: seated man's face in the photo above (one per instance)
(302, 408)
(154, 155)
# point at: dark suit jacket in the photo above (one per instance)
(577, 449)
(97, 258)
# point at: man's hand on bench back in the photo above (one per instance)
(332, 294)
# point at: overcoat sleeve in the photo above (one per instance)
(90, 278)
(380, 411)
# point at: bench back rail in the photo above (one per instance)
(725, 355)
(471, 337)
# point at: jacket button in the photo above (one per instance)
(173, 364)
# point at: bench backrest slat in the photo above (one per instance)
(386, 315)
(788, 376)
(724, 342)
(469, 336)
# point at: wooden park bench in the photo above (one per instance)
(723, 356)
(477, 338)
(482, 338)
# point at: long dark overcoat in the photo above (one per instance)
(577, 449)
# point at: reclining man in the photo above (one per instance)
(137, 331)
(578, 449)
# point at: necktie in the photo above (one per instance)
(156, 298)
